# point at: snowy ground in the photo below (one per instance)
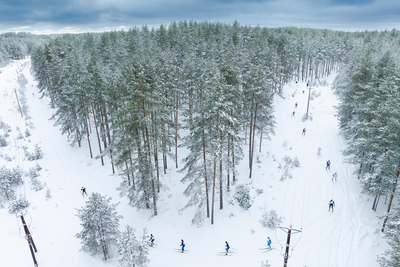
(349, 236)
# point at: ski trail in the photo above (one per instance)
(61, 169)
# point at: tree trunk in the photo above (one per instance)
(204, 158)
(233, 162)
(88, 139)
(252, 143)
(108, 136)
(155, 148)
(164, 148)
(228, 163)
(215, 170)
(391, 198)
(97, 132)
(221, 200)
(176, 130)
(133, 177)
(250, 132)
(153, 189)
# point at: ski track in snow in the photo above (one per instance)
(347, 237)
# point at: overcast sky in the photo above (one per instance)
(76, 16)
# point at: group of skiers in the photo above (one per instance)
(227, 247)
(294, 112)
(334, 177)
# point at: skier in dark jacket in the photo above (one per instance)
(151, 240)
(331, 205)
(83, 189)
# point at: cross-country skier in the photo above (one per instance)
(304, 131)
(182, 245)
(226, 247)
(269, 242)
(293, 113)
(151, 240)
(295, 105)
(328, 165)
(334, 176)
(331, 205)
(319, 152)
(83, 191)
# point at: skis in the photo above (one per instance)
(178, 250)
(268, 250)
(224, 254)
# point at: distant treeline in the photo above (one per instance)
(138, 90)
(15, 46)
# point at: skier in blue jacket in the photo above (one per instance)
(328, 165)
(182, 245)
(269, 242)
(226, 247)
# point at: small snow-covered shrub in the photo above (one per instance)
(3, 141)
(16, 175)
(48, 193)
(20, 136)
(7, 157)
(38, 167)
(27, 132)
(198, 218)
(296, 162)
(285, 175)
(22, 80)
(259, 191)
(36, 184)
(38, 154)
(265, 264)
(285, 143)
(33, 173)
(6, 128)
(242, 196)
(270, 219)
(289, 164)
(18, 205)
(307, 117)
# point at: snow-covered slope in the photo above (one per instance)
(349, 236)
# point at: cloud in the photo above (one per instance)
(96, 15)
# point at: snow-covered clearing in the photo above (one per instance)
(350, 236)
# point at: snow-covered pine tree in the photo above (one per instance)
(132, 251)
(100, 223)
(8, 180)
(391, 257)
(258, 96)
